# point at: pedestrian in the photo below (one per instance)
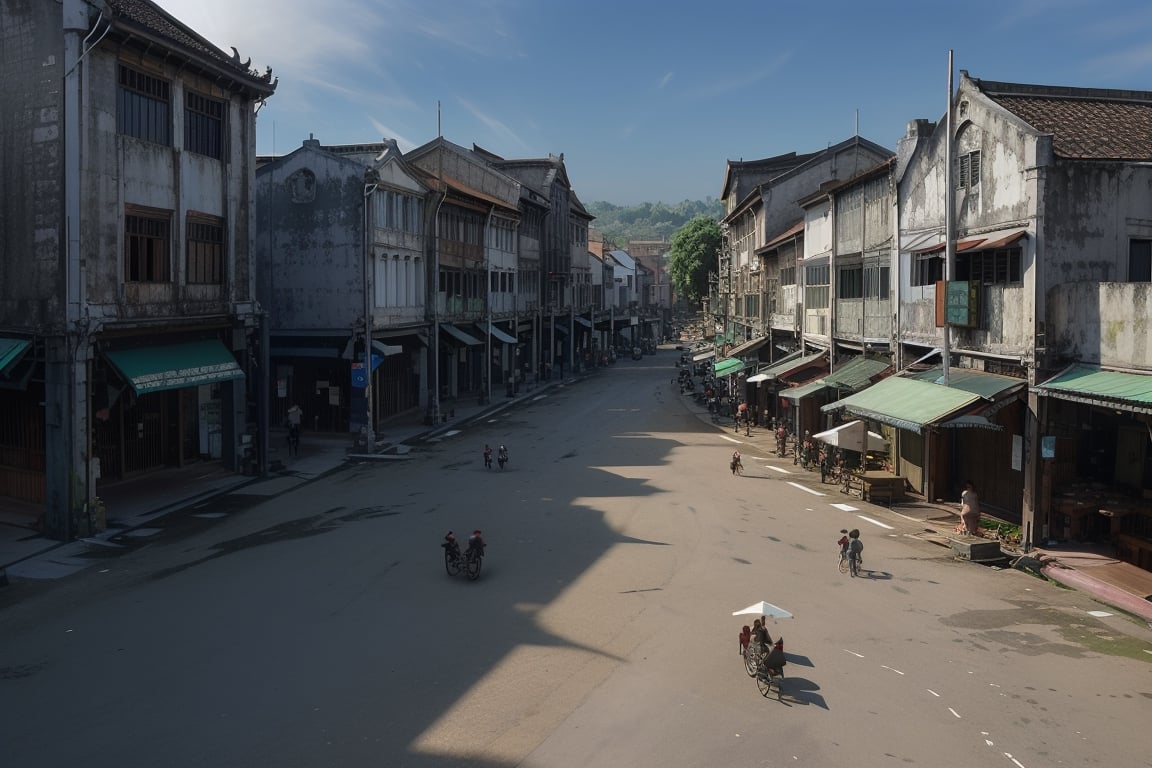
(969, 511)
(295, 416)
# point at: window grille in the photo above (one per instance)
(147, 248)
(204, 125)
(205, 252)
(144, 106)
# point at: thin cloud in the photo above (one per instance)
(386, 132)
(730, 84)
(498, 128)
(665, 80)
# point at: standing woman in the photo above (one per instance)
(969, 510)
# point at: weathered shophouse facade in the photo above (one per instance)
(340, 237)
(129, 323)
(849, 230)
(764, 260)
(473, 259)
(563, 243)
(1052, 197)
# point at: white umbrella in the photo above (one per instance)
(764, 609)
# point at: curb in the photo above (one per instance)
(1113, 596)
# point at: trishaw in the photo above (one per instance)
(764, 658)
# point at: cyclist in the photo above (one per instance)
(488, 457)
(476, 543)
(855, 548)
(737, 465)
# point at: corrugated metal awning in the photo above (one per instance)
(799, 393)
(856, 374)
(905, 403)
(1108, 389)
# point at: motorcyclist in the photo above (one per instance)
(487, 456)
(502, 455)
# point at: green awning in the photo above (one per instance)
(727, 367)
(905, 403)
(987, 385)
(799, 393)
(175, 366)
(788, 365)
(1108, 389)
(856, 374)
(10, 351)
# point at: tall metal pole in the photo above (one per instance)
(949, 227)
(369, 196)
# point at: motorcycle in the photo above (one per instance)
(502, 457)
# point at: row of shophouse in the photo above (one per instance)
(1010, 241)
(166, 295)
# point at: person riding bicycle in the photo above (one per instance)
(488, 456)
(855, 547)
(737, 464)
(476, 543)
(502, 454)
(843, 542)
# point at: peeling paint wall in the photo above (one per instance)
(31, 161)
(1003, 200)
(122, 171)
(309, 240)
(1102, 323)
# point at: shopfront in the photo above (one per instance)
(1095, 460)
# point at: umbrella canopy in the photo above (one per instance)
(851, 437)
(764, 609)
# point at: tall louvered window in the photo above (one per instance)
(144, 106)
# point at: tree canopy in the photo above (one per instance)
(693, 254)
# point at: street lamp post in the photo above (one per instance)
(371, 182)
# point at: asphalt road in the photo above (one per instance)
(320, 628)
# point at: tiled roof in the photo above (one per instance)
(151, 17)
(1085, 123)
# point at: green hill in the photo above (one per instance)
(649, 221)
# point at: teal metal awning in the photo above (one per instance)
(175, 366)
(497, 334)
(459, 335)
(11, 350)
(856, 374)
(987, 385)
(727, 367)
(786, 366)
(799, 393)
(905, 403)
(1108, 389)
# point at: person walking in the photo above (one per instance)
(295, 416)
(969, 511)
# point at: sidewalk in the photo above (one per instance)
(135, 506)
(1084, 567)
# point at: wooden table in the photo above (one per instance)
(878, 484)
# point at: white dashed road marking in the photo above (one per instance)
(845, 507)
(874, 522)
(781, 470)
(806, 490)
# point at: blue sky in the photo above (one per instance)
(649, 99)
